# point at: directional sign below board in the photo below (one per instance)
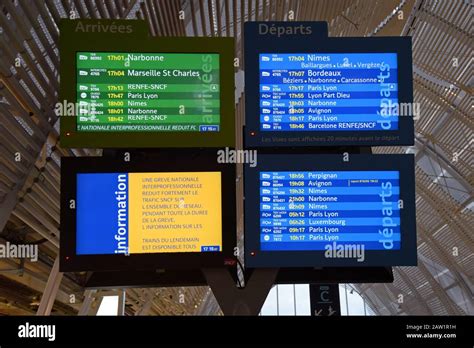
(324, 300)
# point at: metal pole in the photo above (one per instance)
(121, 303)
(51, 290)
(278, 301)
(294, 298)
(86, 304)
(347, 302)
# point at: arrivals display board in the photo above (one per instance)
(306, 89)
(122, 88)
(317, 210)
(175, 211)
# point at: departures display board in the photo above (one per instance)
(174, 211)
(148, 92)
(303, 88)
(122, 89)
(328, 92)
(316, 210)
(302, 210)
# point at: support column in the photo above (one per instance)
(121, 302)
(87, 303)
(235, 301)
(51, 290)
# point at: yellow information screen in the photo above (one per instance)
(139, 213)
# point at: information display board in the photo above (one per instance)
(172, 211)
(340, 213)
(148, 212)
(328, 92)
(148, 92)
(303, 88)
(124, 89)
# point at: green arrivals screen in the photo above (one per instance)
(143, 92)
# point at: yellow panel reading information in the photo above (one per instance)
(174, 212)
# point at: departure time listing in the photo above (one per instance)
(328, 92)
(308, 210)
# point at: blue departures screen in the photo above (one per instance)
(302, 210)
(328, 92)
